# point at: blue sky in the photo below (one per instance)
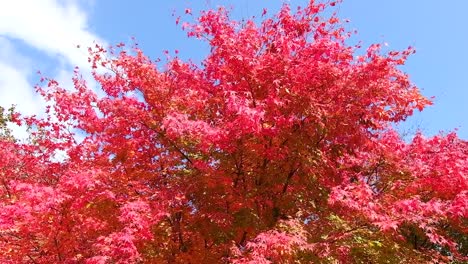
(44, 37)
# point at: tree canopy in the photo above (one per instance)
(277, 148)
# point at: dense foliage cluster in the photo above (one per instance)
(278, 148)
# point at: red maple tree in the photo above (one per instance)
(278, 148)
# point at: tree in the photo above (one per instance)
(278, 148)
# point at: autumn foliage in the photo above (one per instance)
(277, 148)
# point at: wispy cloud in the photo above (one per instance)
(14, 72)
(53, 28)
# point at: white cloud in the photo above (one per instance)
(16, 90)
(52, 27)
(14, 71)
(9, 53)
